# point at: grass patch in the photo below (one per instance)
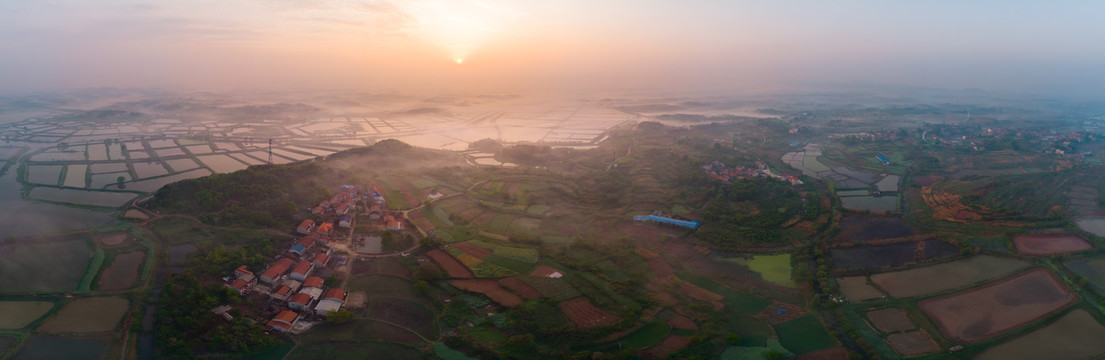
(445, 353)
(648, 335)
(775, 269)
(93, 268)
(804, 335)
(512, 264)
(528, 255)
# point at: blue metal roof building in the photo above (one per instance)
(884, 160)
(664, 220)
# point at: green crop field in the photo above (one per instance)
(804, 335)
(646, 336)
(775, 269)
(528, 255)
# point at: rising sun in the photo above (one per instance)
(460, 60)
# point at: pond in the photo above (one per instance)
(1094, 226)
(182, 164)
(74, 177)
(100, 168)
(149, 169)
(151, 185)
(871, 203)
(221, 163)
(101, 180)
(24, 218)
(82, 197)
(167, 152)
(97, 152)
(44, 174)
(199, 149)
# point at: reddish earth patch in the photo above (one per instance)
(112, 239)
(484, 219)
(544, 271)
(490, 288)
(520, 287)
(450, 264)
(837, 353)
(928, 180)
(646, 253)
(669, 345)
(1047, 244)
(659, 267)
(982, 312)
(681, 322)
(584, 314)
(471, 249)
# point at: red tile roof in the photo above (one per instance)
(282, 326)
(282, 291)
(239, 284)
(302, 268)
(337, 294)
(306, 241)
(307, 223)
(321, 258)
(278, 268)
(300, 298)
(242, 269)
(286, 316)
(313, 281)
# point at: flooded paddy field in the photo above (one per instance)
(82, 197)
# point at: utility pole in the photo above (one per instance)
(270, 151)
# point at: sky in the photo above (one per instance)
(550, 45)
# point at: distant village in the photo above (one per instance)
(292, 283)
(718, 170)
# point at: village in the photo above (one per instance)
(300, 288)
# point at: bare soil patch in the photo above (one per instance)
(837, 353)
(490, 288)
(890, 320)
(584, 314)
(520, 287)
(982, 312)
(1047, 244)
(450, 264)
(544, 271)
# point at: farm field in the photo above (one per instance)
(451, 266)
(912, 343)
(406, 314)
(1076, 335)
(354, 350)
(1094, 226)
(890, 255)
(890, 320)
(804, 335)
(1047, 244)
(775, 268)
(810, 162)
(50, 347)
(122, 272)
(383, 286)
(490, 288)
(518, 286)
(866, 228)
(18, 314)
(87, 315)
(584, 314)
(1092, 269)
(979, 313)
(946, 276)
(856, 289)
(25, 268)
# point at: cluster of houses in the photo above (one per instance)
(290, 281)
(718, 170)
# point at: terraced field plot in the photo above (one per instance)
(889, 255)
(912, 343)
(856, 289)
(890, 320)
(946, 276)
(979, 313)
(50, 347)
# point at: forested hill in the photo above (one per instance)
(269, 195)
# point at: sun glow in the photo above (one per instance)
(460, 60)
